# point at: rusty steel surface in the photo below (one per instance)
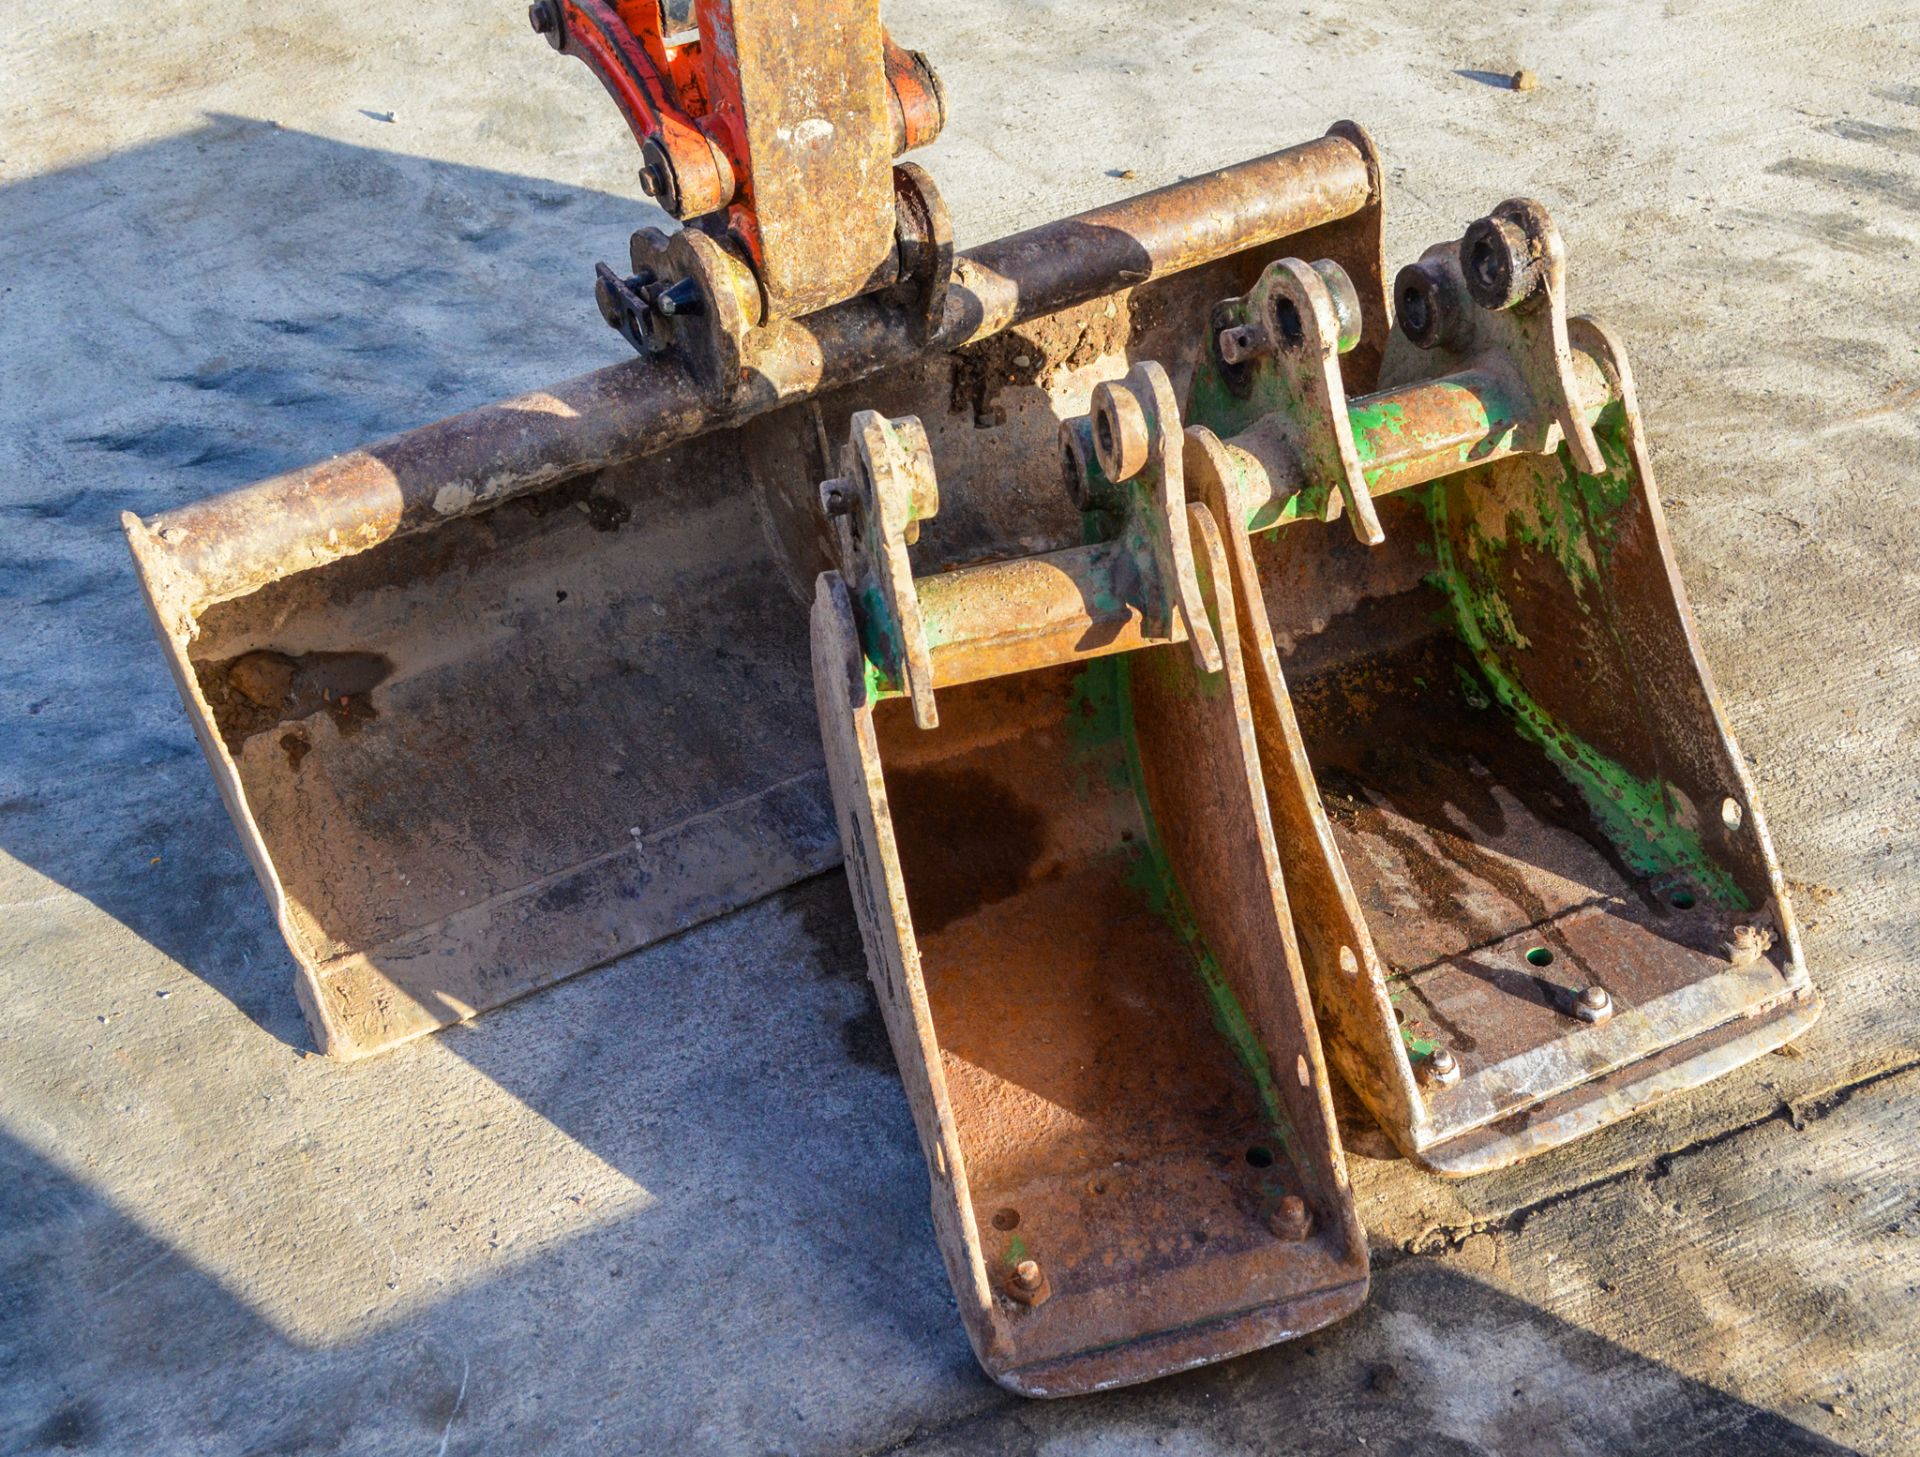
(918, 101)
(1506, 793)
(1008, 616)
(773, 125)
(1075, 922)
(1108, 1129)
(582, 722)
(235, 542)
(802, 91)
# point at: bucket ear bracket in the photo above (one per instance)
(1123, 464)
(1291, 330)
(1500, 291)
(885, 490)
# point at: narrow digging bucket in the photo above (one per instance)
(1534, 887)
(1073, 914)
(501, 699)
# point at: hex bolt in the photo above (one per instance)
(1441, 1069)
(1027, 1283)
(1594, 1004)
(541, 17)
(1748, 945)
(1291, 1220)
(656, 176)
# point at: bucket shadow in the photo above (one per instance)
(111, 1341)
(248, 299)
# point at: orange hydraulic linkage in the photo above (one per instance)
(770, 127)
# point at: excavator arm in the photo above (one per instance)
(772, 129)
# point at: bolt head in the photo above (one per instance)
(1442, 1068)
(1594, 1004)
(1027, 1283)
(1291, 1219)
(1237, 345)
(680, 297)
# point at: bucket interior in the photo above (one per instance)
(469, 713)
(1495, 884)
(1115, 1108)
(478, 758)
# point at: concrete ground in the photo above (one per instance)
(676, 1205)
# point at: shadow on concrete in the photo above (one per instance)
(1501, 80)
(185, 317)
(111, 1342)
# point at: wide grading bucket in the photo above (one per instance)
(500, 699)
(1062, 860)
(1534, 887)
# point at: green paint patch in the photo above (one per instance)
(1101, 721)
(1211, 403)
(1417, 1045)
(1374, 423)
(1099, 725)
(1308, 504)
(878, 685)
(1638, 816)
(1382, 429)
(1016, 1251)
(880, 646)
(1575, 518)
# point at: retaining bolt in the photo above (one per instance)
(1442, 1069)
(1027, 1283)
(1594, 1004)
(1291, 1219)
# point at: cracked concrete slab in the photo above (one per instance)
(676, 1205)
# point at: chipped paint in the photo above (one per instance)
(1642, 818)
